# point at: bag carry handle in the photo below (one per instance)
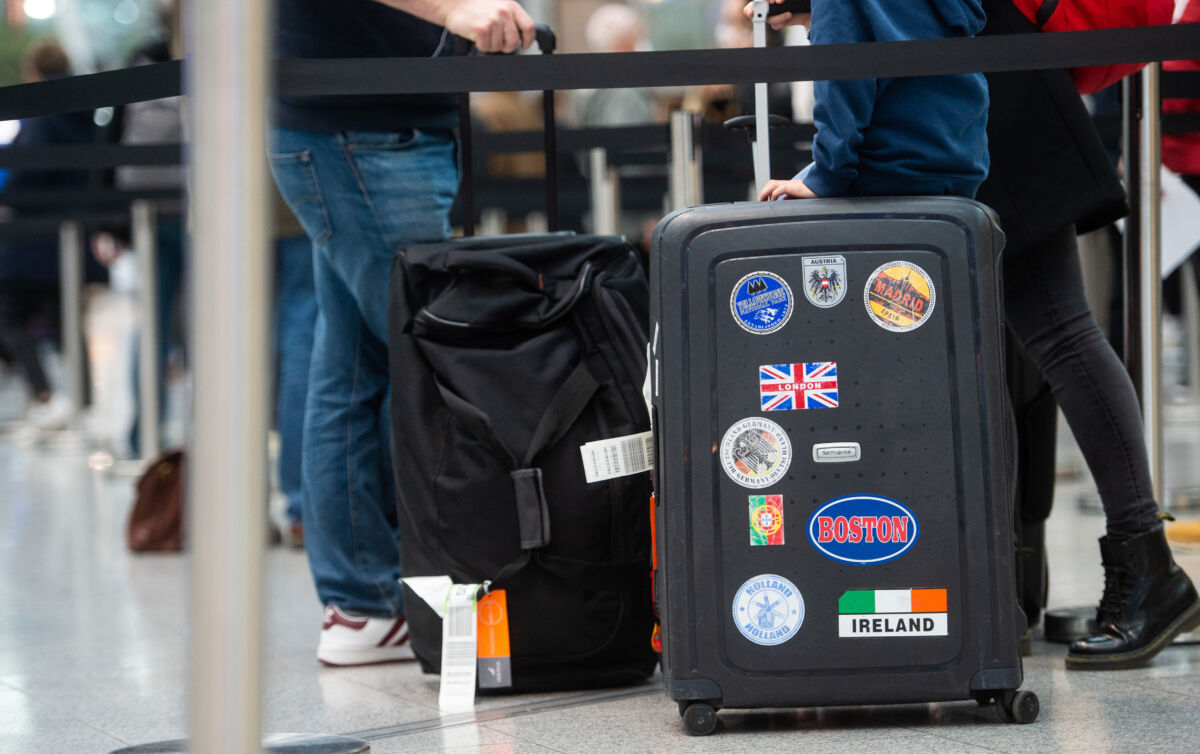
(547, 42)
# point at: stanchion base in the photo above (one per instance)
(281, 743)
(1064, 625)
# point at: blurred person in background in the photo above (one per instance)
(614, 28)
(29, 265)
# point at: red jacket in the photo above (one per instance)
(1181, 152)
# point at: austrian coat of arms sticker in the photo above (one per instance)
(825, 280)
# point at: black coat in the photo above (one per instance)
(1049, 167)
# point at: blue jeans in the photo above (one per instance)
(295, 320)
(360, 196)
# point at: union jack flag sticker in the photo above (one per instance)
(794, 387)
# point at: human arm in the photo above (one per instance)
(493, 25)
(793, 189)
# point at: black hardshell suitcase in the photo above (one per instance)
(795, 413)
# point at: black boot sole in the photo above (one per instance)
(1188, 620)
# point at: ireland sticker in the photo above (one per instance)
(756, 453)
(899, 296)
(768, 609)
(766, 520)
(825, 280)
(761, 303)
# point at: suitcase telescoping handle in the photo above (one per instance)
(546, 42)
(761, 141)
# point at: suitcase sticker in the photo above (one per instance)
(825, 280)
(863, 529)
(756, 453)
(761, 303)
(768, 610)
(892, 613)
(794, 387)
(899, 296)
(766, 520)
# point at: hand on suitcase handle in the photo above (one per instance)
(784, 12)
(492, 25)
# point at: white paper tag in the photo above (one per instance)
(432, 589)
(458, 650)
(618, 457)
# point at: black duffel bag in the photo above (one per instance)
(506, 355)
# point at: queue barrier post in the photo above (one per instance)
(145, 233)
(70, 256)
(685, 187)
(605, 191)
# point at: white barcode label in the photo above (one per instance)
(458, 650)
(618, 457)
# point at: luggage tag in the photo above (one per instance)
(475, 644)
(618, 457)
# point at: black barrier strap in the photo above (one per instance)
(1182, 84)
(89, 156)
(88, 92)
(375, 76)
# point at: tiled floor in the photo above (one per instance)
(92, 643)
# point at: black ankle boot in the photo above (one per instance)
(1147, 602)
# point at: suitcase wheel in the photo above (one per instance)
(1019, 707)
(699, 718)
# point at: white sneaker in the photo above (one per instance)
(359, 640)
(52, 415)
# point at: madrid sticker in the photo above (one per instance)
(825, 280)
(795, 387)
(761, 303)
(892, 613)
(899, 296)
(768, 610)
(766, 520)
(756, 453)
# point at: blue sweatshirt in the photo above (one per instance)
(898, 136)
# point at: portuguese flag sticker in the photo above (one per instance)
(891, 613)
(766, 520)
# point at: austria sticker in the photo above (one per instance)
(766, 520)
(794, 387)
(891, 613)
(825, 280)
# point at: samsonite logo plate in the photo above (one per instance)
(863, 529)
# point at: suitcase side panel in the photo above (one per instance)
(703, 560)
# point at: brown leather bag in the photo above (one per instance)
(156, 521)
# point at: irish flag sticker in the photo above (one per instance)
(892, 613)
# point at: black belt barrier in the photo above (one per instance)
(375, 76)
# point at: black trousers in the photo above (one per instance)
(18, 310)
(1046, 311)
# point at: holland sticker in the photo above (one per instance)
(768, 610)
(756, 453)
(761, 303)
(899, 296)
(825, 280)
(766, 520)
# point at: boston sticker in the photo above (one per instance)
(756, 453)
(768, 610)
(899, 296)
(761, 303)
(892, 613)
(766, 520)
(825, 280)
(793, 387)
(863, 529)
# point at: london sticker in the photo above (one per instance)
(825, 280)
(768, 610)
(756, 453)
(795, 387)
(766, 520)
(761, 303)
(899, 296)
